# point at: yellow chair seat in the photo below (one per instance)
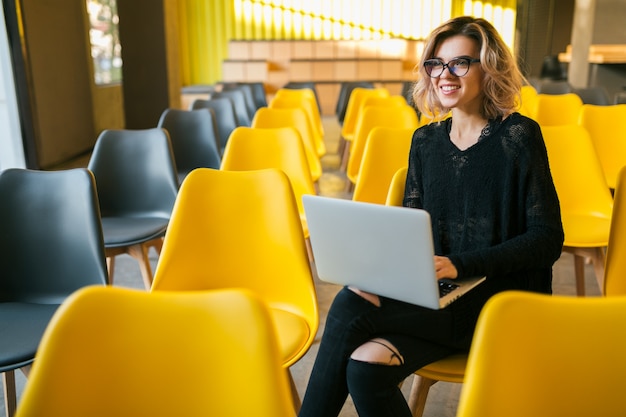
(293, 334)
(586, 231)
(449, 369)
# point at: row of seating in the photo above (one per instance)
(51, 257)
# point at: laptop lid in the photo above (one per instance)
(385, 250)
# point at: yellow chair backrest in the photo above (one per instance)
(577, 175)
(386, 151)
(371, 117)
(529, 101)
(111, 351)
(251, 148)
(395, 195)
(540, 355)
(287, 98)
(355, 104)
(267, 117)
(557, 109)
(393, 100)
(607, 127)
(241, 229)
(615, 266)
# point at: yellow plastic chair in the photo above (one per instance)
(374, 116)
(615, 266)
(557, 109)
(540, 355)
(395, 194)
(241, 229)
(386, 151)
(528, 105)
(267, 117)
(449, 369)
(586, 202)
(308, 100)
(355, 104)
(607, 127)
(250, 149)
(112, 351)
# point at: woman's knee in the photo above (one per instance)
(378, 351)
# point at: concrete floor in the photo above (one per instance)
(443, 397)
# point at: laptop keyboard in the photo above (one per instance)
(446, 287)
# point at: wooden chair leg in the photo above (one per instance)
(345, 155)
(111, 268)
(10, 392)
(419, 393)
(140, 252)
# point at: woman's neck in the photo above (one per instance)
(466, 129)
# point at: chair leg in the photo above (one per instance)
(295, 397)
(111, 268)
(345, 155)
(419, 393)
(140, 252)
(10, 392)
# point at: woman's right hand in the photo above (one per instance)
(445, 268)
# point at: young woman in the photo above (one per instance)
(483, 176)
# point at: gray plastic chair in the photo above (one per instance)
(137, 184)
(224, 116)
(51, 244)
(239, 102)
(194, 138)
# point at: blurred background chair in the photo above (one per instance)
(269, 117)
(242, 115)
(398, 116)
(344, 95)
(528, 103)
(615, 265)
(304, 99)
(540, 355)
(586, 201)
(297, 85)
(355, 103)
(555, 110)
(386, 151)
(137, 183)
(554, 87)
(593, 95)
(281, 148)
(248, 96)
(225, 118)
(122, 352)
(607, 128)
(449, 369)
(51, 244)
(194, 138)
(552, 69)
(242, 229)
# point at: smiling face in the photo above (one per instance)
(461, 93)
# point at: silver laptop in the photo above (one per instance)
(380, 249)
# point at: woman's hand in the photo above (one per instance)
(445, 268)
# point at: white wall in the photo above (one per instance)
(11, 147)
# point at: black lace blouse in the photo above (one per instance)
(493, 206)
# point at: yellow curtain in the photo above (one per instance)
(207, 26)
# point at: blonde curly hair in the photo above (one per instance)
(502, 80)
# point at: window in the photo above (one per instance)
(106, 50)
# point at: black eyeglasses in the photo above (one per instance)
(457, 66)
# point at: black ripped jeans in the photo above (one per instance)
(420, 335)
